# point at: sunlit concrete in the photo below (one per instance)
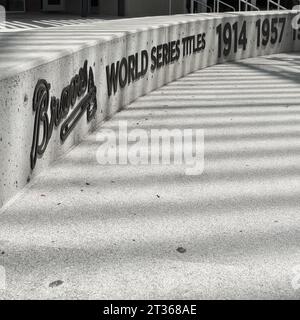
(111, 232)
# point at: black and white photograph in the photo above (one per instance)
(149, 151)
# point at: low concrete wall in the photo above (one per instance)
(173, 46)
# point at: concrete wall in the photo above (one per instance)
(103, 49)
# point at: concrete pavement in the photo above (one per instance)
(86, 231)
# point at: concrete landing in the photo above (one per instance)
(112, 232)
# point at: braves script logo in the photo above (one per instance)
(81, 87)
(296, 19)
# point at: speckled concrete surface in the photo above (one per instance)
(82, 230)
